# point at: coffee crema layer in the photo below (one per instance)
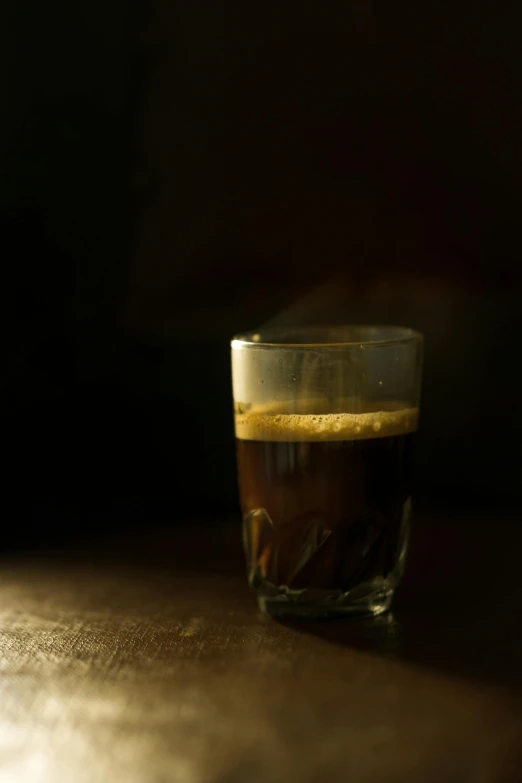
(294, 427)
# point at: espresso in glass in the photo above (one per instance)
(326, 500)
(324, 421)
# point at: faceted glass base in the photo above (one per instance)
(311, 571)
(284, 607)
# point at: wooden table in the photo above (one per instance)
(143, 658)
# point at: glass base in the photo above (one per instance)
(282, 607)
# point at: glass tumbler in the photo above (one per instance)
(324, 422)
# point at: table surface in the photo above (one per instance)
(144, 658)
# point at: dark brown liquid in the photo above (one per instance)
(324, 514)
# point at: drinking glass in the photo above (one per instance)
(324, 420)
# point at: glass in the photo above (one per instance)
(324, 421)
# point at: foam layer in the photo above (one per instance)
(326, 426)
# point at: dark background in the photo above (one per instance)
(173, 173)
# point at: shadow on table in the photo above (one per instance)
(459, 607)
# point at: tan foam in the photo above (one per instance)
(324, 427)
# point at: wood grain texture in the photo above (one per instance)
(146, 660)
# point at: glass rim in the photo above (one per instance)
(272, 337)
